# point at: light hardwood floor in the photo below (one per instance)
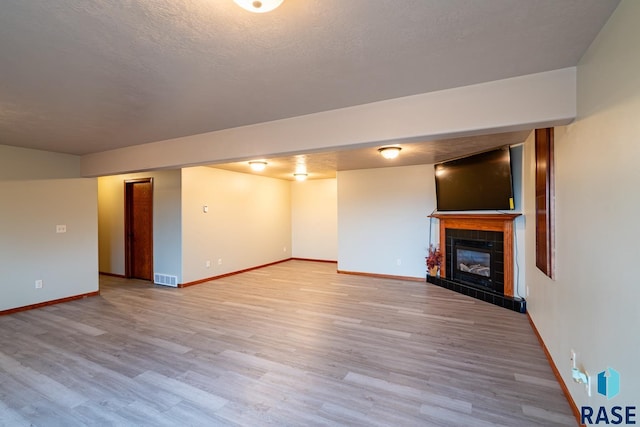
(290, 344)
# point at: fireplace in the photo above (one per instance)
(476, 263)
(478, 257)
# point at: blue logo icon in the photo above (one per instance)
(609, 383)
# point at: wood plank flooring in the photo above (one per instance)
(287, 345)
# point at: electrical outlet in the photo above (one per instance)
(398, 261)
(572, 358)
(219, 261)
(284, 249)
(207, 263)
(38, 284)
(61, 228)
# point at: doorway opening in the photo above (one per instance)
(139, 228)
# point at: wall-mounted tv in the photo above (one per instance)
(478, 182)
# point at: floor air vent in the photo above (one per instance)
(165, 279)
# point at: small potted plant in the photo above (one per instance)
(434, 258)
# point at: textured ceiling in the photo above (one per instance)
(325, 165)
(84, 76)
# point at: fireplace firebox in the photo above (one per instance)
(475, 258)
(473, 263)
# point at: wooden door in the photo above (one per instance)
(139, 228)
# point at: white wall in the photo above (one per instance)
(33, 200)
(592, 305)
(314, 219)
(382, 218)
(248, 223)
(167, 250)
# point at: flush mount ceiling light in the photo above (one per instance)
(258, 165)
(258, 6)
(390, 152)
(300, 176)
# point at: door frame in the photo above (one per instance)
(128, 215)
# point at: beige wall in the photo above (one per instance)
(167, 250)
(591, 306)
(33, 201)
(382, 220)
(23, 164)
(314, 219)
(257, 211)
(248, 222)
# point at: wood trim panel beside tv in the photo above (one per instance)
(544, 200)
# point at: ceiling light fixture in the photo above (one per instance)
(300, 176)
(258, 165)
(258, 6)
(390, 152)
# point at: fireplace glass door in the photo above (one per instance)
(472, 263)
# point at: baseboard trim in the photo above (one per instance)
(121, 276)
(46, 303)
(314, 260)
(382, 276)
(233, 273)
(554, 368)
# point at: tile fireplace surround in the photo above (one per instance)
(500, 222)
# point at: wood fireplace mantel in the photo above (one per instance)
(501, 222)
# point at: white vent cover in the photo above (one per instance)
(165, 279)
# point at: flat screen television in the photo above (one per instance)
(478, 182)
